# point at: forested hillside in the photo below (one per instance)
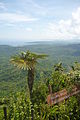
(59, 70)
(9, 77)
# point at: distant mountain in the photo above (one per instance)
(67, 53)
(34, 42)
(12, 79)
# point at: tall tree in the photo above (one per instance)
(27, 61)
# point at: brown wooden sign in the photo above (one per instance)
(62, 95)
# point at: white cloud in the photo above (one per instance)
(34, 7)
(76, 16)
(14, 17)
(29, 29)
(2, 6)
(10, 25)
(65, 29)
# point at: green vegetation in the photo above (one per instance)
(15, 87)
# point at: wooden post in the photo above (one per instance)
(5, 113)
(50, 89)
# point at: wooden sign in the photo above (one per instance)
(62, 95)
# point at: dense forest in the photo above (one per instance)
(24, 90)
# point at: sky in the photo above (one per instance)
(39, 20)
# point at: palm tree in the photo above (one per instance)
(27, 61)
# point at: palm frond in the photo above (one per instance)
(26, 60)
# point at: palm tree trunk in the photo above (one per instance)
(30, 85)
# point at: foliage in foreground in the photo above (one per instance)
(19, 106)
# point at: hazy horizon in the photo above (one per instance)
(35, 42)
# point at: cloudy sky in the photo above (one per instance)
(39, 19)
